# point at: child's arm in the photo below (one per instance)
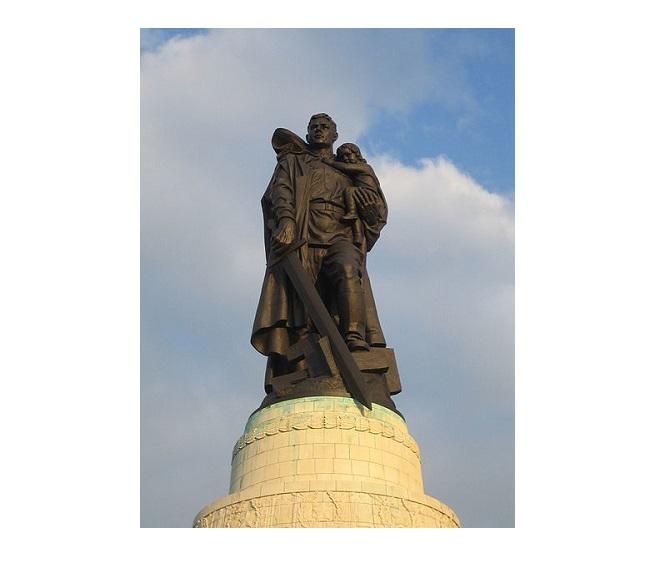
(351, 168)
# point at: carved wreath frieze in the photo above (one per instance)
(303, 421)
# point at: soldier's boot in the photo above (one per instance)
(350, 303)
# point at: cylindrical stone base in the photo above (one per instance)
(326, 462)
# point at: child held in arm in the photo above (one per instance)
(350, 161)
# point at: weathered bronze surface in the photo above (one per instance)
(316, 320)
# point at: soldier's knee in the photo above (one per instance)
(348, 271)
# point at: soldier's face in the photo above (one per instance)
(321, 132)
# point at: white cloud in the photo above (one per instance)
(445, 209)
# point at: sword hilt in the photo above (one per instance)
(278, 257)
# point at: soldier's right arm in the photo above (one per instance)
(282, 200)
(282, 194)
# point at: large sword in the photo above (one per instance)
(323, 321)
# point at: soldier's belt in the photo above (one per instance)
(326, 206)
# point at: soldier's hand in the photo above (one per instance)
(283, 236)
(367, 206)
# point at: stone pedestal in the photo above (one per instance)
(326, 462)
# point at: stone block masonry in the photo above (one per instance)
(326, 462)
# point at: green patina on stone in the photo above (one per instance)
(319, 404)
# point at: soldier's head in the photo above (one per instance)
(321, 131)
(349, 153)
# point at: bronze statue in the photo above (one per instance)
(322, 214)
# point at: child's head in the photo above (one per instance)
(349, 153)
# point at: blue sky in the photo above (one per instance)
(433, 111)
(480, 139)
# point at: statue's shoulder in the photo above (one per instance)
(285, 142)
